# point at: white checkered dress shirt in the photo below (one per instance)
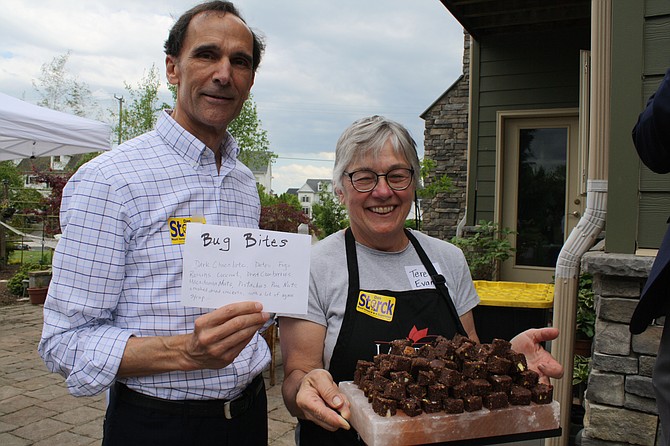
(116, 272)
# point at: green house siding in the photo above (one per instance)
(654, 189)
(517, 72)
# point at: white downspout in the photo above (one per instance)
(591, 224)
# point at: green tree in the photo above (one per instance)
(61, 90)
(251, 137)
(140, 114)
(328, 214)
(10, 175)
(432, 184)
(268, 199)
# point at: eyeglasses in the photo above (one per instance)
(366, 180)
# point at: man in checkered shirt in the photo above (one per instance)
(113, 318)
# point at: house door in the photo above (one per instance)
(540, 193)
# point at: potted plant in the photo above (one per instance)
(484, 248)
(33, 278)
(580, 376)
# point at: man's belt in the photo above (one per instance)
(197, 408)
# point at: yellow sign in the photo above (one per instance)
(376, 305)
(177, 228)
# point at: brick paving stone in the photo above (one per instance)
(7, 439)
(65, 438)
(41, 429)
(80, 415)
(92, 429)
(28, 415)
(36, 408)
(7, 427)
(17, 402)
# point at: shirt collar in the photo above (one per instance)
(187, 145)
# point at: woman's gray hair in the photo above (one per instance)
(367, 136)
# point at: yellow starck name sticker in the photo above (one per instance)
(177, 228)
(376, 305)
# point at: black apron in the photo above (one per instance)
(419, 315)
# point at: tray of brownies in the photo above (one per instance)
(449, 390)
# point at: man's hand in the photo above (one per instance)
(220, 336)
(320, 400)
(528, 343)
(217, 339)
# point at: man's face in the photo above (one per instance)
(213, 74)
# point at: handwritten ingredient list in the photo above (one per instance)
(225, 264)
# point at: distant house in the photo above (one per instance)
(308, 194)
(56, 164)
(263, 174)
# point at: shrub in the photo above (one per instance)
(586, 315)
(15, 284)
(485, 249)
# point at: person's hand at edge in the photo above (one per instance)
(539, 360)
(321, 401)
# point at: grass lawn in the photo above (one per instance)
(32, 256)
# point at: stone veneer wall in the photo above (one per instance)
(620, 403)
(446, 142)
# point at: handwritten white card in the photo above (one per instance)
(225, 264)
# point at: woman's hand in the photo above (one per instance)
(320, 401)
(539, 360)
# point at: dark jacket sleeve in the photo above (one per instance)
(651, 134)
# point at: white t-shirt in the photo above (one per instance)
(380, 270)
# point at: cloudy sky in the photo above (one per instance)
(327, 63)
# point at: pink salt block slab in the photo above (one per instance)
(401, 430)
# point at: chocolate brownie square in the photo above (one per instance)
(500, 347)
(401, 363)
(427, 351)
(379, 382)
(449, 364)
(453, 405)
(519, 363)
(527, 379)
(542, 393)
(480, 387)
(450, 377)
(474, 369)
(500, 383)
(472, 403)
(380, 357)
(394, 390)
(410, 352)
(416, 391)
(495, 400)
(461, 390)
(385, 407)
(385, 367)
(444, 349)
(498, 365)
(519, 395)
(419, 364)
(425, 377)
(411, 407)
(402, 377)
(466, 352)
(437, 391)
(398, 346)
(436, 365)
(430, 406)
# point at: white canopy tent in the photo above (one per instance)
(27, 131)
